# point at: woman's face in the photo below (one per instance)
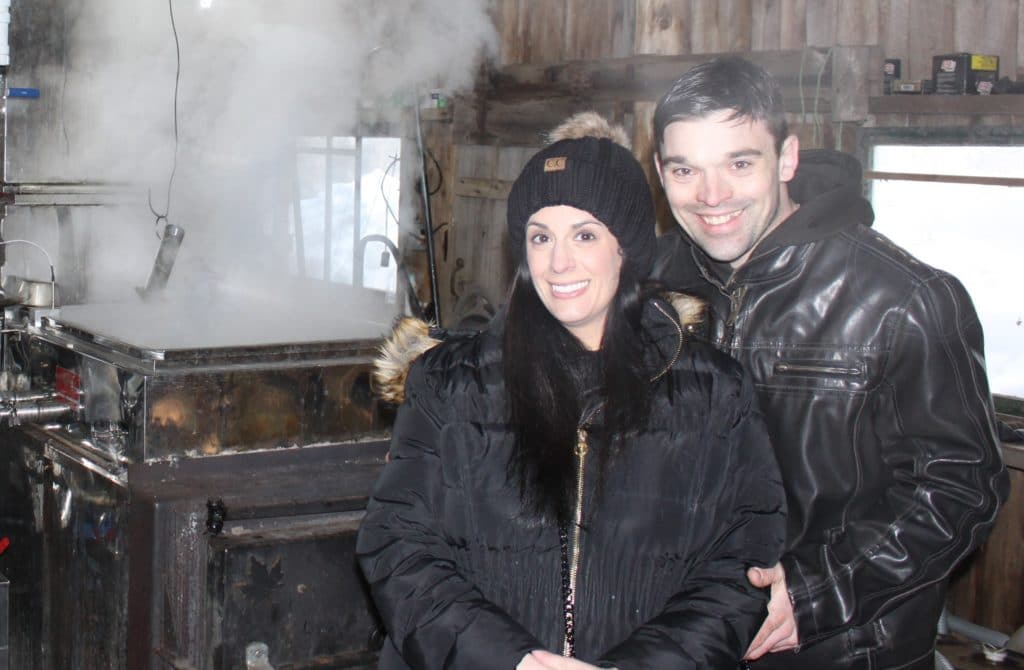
(574, 263)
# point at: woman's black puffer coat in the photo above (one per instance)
(463, 578)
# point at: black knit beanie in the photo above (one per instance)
(596, 175)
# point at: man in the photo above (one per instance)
(869, 365)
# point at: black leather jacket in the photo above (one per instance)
(871, 376)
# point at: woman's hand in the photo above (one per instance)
(545, 660)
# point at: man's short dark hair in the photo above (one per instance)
(726, 82)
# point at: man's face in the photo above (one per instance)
(725, 182)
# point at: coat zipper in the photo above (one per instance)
(574, 562)
(582, 447)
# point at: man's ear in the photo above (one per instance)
(789, 158)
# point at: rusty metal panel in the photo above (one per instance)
(197, 527)
(292, 590)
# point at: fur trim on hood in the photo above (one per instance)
(409, 340)
(413, 337)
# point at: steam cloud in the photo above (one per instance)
(254, 75)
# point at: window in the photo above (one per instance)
(965, 218)
(345, 219)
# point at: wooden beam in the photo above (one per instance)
(801, 73)
(947, 104)
(943, 178)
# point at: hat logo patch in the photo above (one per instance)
(555, 164)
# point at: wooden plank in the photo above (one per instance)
(766, 25)
(492, 189)
(472, 280)
(947, 104)
(720, 26)
(988, 27)
(894, 30)
(532, 31)
(931, 33)
(510, 161)
(705, 37)
(482, 269)
(936, 120)
(476, 161)
(857, 22)
(736, 18)
(987, 589)
(662, 27)
(471, 217)
(794, 24)
(856, 74)
(821, 22)
(599, 29)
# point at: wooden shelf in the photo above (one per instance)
(443, 114)
(906, 103)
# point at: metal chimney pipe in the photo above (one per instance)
(164, 262)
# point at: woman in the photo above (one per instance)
(580, 485)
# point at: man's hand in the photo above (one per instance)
(545, 660)
(778, 632)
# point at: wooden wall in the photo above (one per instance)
(553, 31)
(549, 64)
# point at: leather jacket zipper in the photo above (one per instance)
(797, 368)
(735, 303)
(574, 561)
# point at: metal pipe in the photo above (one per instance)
(161, 272)
(431, 260)
(414, 300)
(16, 414)
(973, 631)
(3, 131)
(15, 397)
(63, 188)
(5, 25)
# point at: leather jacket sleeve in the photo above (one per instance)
(934, 427)
(711, 620)
(434, 616)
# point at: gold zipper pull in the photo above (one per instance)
(581, 442)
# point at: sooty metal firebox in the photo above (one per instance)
(190, 507)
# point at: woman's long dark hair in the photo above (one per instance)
(546, 371)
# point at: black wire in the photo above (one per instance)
(174, 164)
(440, 174)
